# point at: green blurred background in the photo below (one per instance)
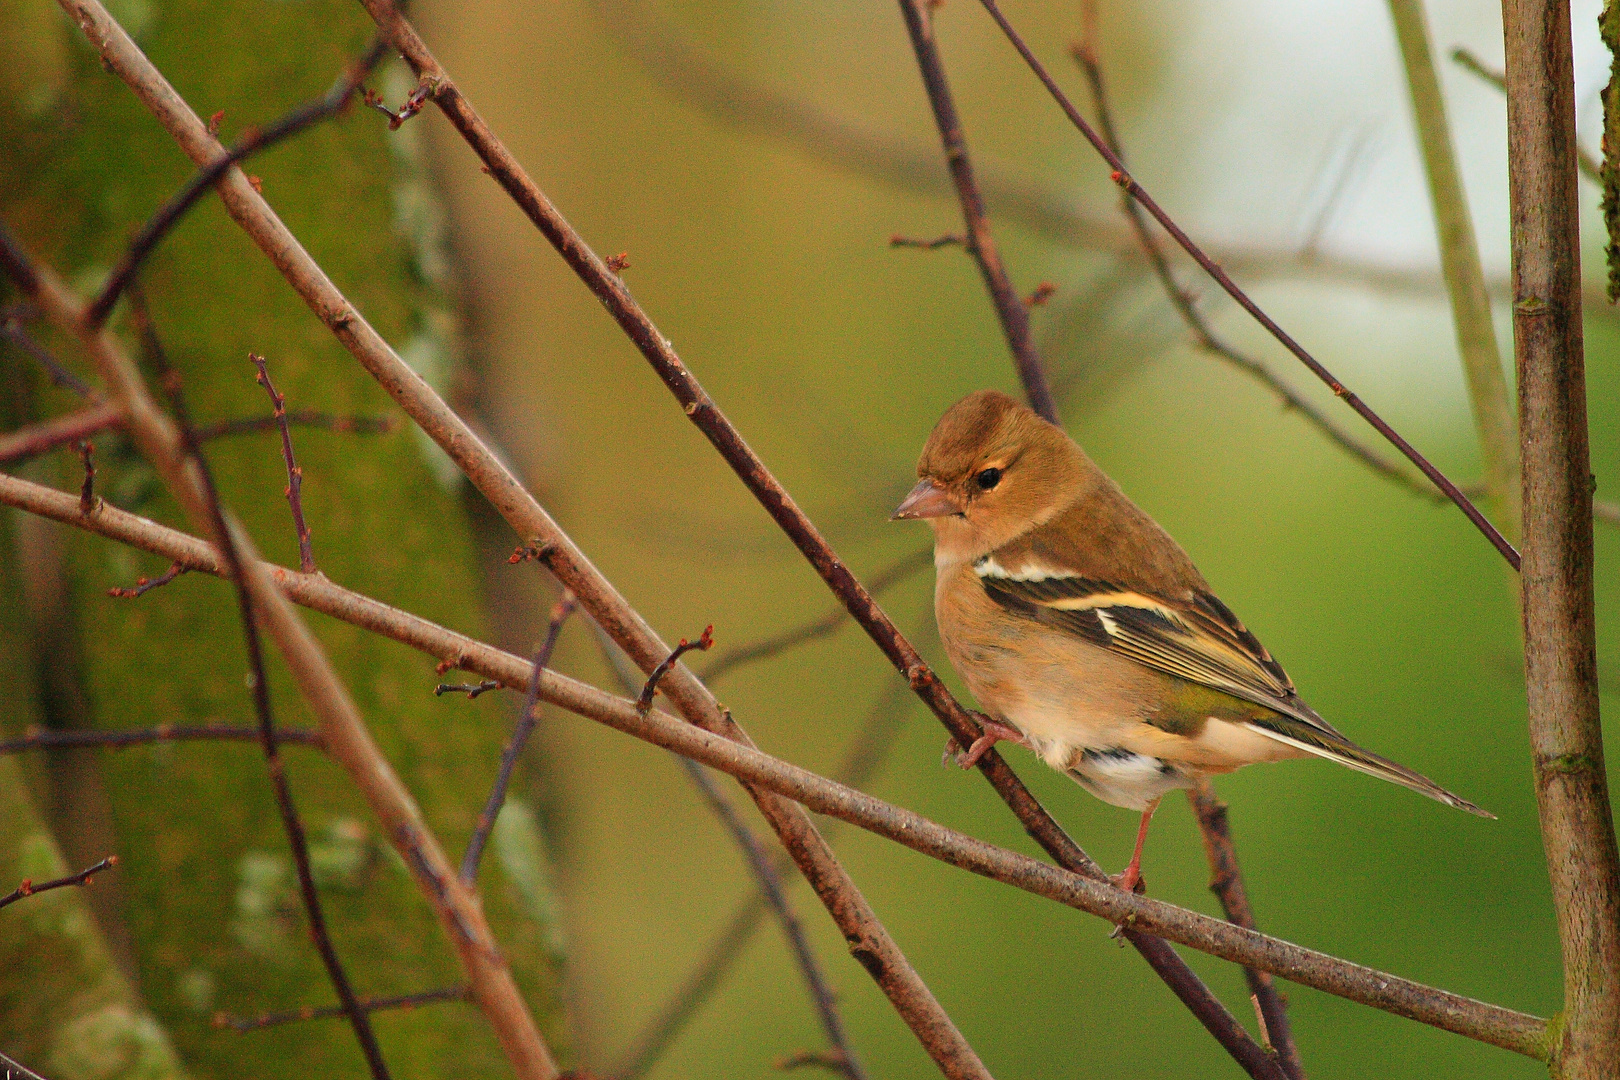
(675, 132)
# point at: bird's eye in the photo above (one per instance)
(987, 479)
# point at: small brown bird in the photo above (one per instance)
(1086, 632)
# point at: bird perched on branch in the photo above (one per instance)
(1085, 631)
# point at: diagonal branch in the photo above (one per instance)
(28, 888)
(868, 938)
(1135, 190)
(1511, 1030)
(610, 289)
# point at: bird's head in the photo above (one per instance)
(992, 469)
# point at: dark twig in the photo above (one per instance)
(879, 583)
(1010, 309)
(704, 642)
(472, 690)
(1226, 882)
(1590, 167)
(28, 888)
(87, 489)
(46, 739)
(143, 585)
(905, 990)
(355, 423)
(11, 328)
(1270, 1008)
(295, 474)
(251, 142)
(1124, 179)
(243, 1024)
(772, 895)
(1084, 53)
(259, 686)
(36, 439)
(948, 240)
(413, 105)
(520, 736)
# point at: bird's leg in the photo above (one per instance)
(994, 731)
(1132, 877)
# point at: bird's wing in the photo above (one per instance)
(1196, 639)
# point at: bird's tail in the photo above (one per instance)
(1335, 747)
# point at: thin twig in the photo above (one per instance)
(11, 328)
(772, 895)
(520, 736)
(47, 739)
(1011, 311)
(355, 423)
(1226, 882)
(144, 585)
(947, 240)
(879, 583)
(259, 688)
(87, 489)
(243, 1024)
(295, 473)
(1127, 182)
(471, 690)
(1487, 1023)
(704, 641)
(36, 439)
(251, 142)
(1084, 53)
(28, 888)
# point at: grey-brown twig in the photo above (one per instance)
(1135, 190)
(295, 474)
(704, 641)
(28, 888)
(1471, 63)
(145, 585)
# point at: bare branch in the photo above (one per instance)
(1471, 63)
(682, 647)
(36, 439)
(1506, 1028)
(243, 1024)
(1560, 648)
(28, 888)
(295, 474)
(879, 583)
(1128, 183)
(11, 328)
(520, 736)
(145, 585)
(47, 739)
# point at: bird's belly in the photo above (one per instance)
(1125, 778)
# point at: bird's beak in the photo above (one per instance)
(927, 500)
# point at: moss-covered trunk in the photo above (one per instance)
(208, 897)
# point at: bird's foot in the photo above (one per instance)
(994, 731)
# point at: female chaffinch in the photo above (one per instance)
(1087, 633)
